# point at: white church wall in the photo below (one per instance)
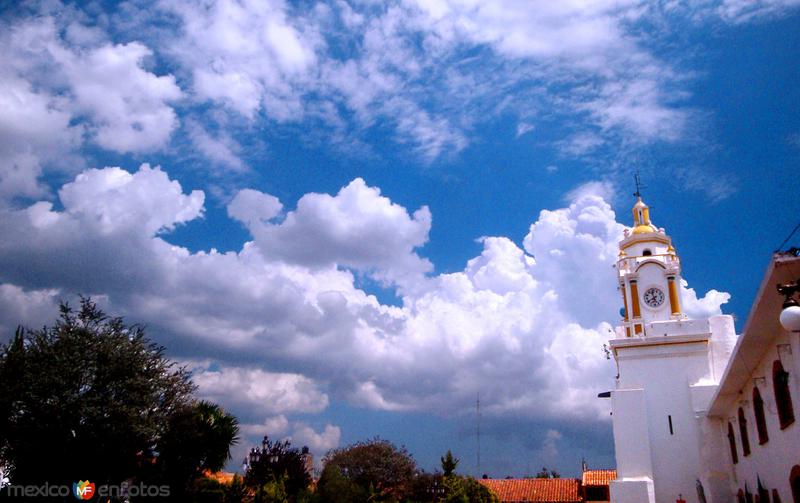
(665, 368)
(723, 341)
(631, 435)
(772, 461)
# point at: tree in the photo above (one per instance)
(91, 398)
(377, 468)
(548, 474)
(467, 490)
(449, 463)
(197, 440)
(277, 467)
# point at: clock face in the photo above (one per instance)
(653, 297)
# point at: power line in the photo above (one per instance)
(788, 237)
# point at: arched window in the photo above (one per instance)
(761, 421)
(783, 398)
(740, 496)
(743, 433)
(776, 498)
(794, 482)
(732, 443)
(647, 253)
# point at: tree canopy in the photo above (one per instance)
(278, 465)
(92, 398)
(375, 469)
(449, 463)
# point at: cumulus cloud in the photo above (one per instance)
(245, 55)
(35, 130)
(357, 228)
(66, 84)
(279, 333)
(253, 208)
(259, 392)
(31, 308)
(318, 443)
(273, 427)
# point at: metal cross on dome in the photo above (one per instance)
(639, 184)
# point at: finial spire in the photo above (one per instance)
(639, 185)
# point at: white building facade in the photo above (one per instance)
(682, 382)
(754, 413)
(669, 368)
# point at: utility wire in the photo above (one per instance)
(788, 237)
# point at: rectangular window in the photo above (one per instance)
(670, 425)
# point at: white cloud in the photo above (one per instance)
(259, 392)
(708, 305)
(523, 128)
(32, 308)
(60, 92)
(741, 11)
(35, 130)
(252, 207)
(522, 326)
(357, 228)
(549, 450)
(128, 105)
(318, 443)
(114, 199)
(273, 427)
(221, 149)
(247, 54)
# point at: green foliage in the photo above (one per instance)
(449, 463)
(273, 491)
(467, 490)
(279, 463)
(236, 491)
(197, 439)
(93, 398)
(439, 488)
(548, 474)
(375, 470)
(334, 487)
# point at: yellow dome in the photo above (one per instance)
(643, 229)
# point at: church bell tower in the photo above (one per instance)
(649, 273)
(669, 367)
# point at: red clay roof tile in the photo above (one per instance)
(534, 490)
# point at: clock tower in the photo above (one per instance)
(649, 274)
(668, 369)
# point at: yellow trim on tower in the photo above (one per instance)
(637, 313)
(674, 303)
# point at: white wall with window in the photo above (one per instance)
(756, 406)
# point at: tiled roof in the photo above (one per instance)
(598, 477)
(534, 490)
(221, 477)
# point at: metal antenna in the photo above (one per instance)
(478, 407)
(639, 184)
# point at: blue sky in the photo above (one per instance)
(352, 217)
